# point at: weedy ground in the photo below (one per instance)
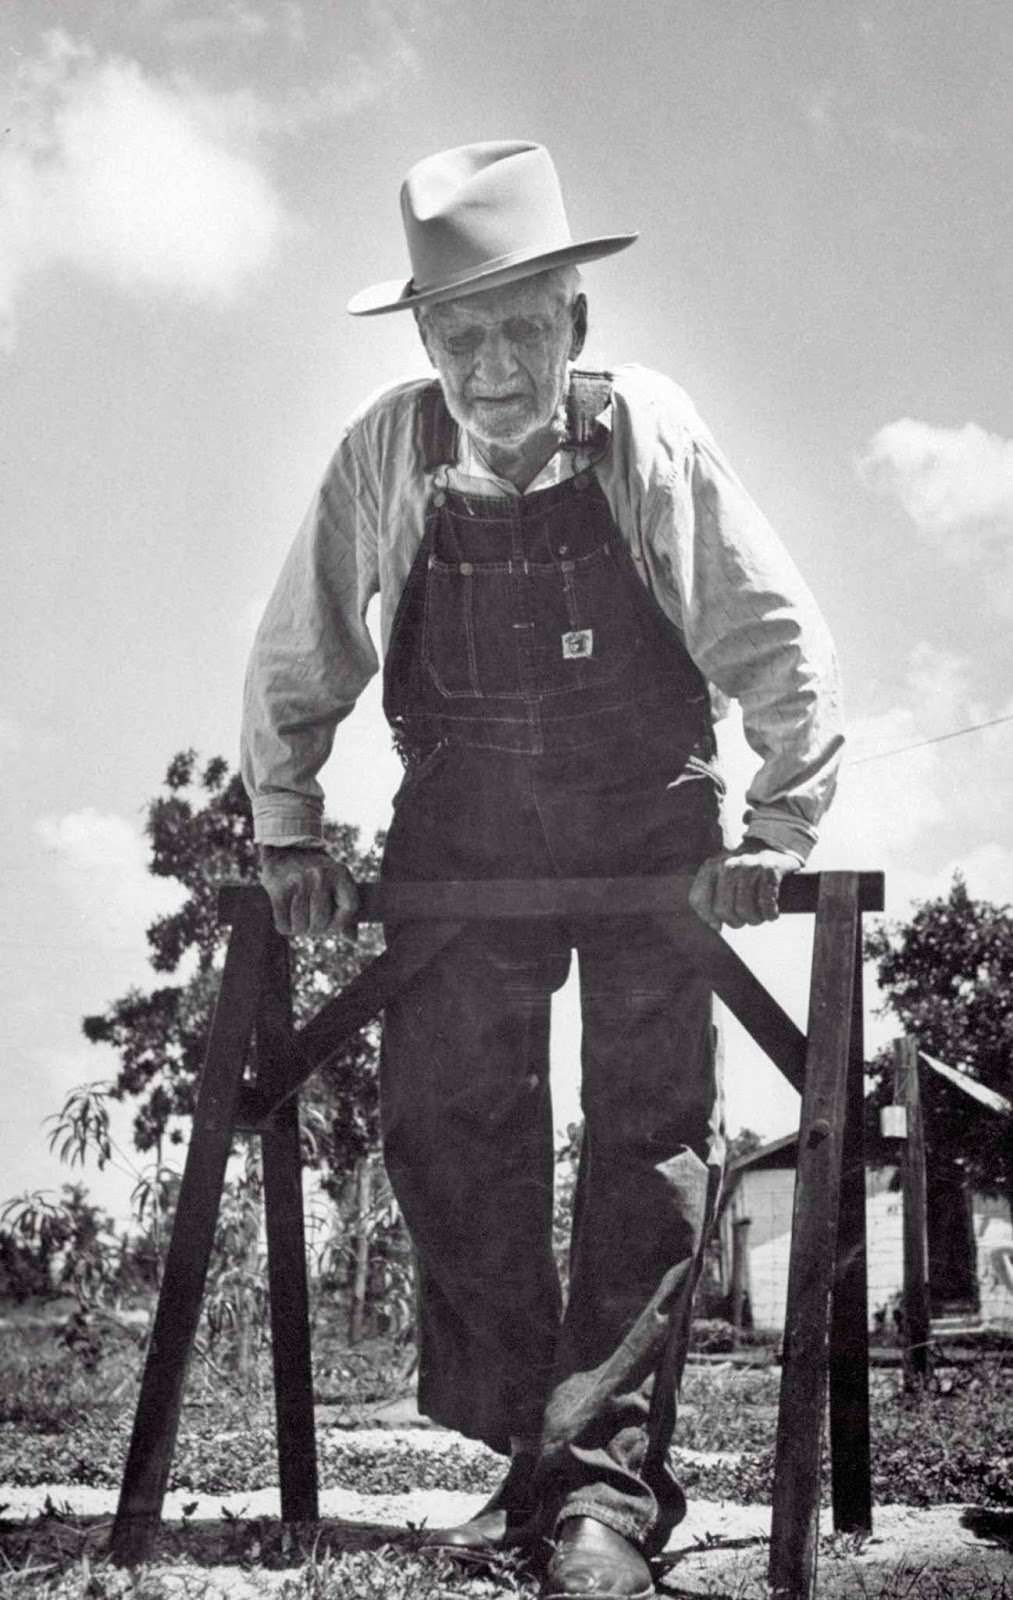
(66, 1413)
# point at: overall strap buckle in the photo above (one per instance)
(590, 394)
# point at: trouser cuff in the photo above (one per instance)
(622, 1522)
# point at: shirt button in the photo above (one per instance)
(564, 550)
(466, 569)
(439, 498)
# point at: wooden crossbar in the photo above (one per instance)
(502, 899)
(826, 1339)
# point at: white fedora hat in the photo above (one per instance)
(478, 216)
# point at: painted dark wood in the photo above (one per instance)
(795, 1512)
(429, 916)
(178, 1313)
(505, 898)
(851, 1475)
(312, 1046)
(286, 1250)
(744, 995)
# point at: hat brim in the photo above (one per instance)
(396, 295)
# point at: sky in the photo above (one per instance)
(190, 192)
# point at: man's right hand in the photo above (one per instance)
(310, 891)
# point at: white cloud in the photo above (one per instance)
(949, 481)
(118, 173)
(100, 860)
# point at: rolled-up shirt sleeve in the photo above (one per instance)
(754, 630)
(313, 655)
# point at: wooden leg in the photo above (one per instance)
(795, 1516)
(286, 1252)
(849, 1327)
(176, 1319)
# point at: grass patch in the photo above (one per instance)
(63, 1422)
(65, 1418)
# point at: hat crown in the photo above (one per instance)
(478, 217)
(470, 207)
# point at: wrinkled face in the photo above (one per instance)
(501, 356)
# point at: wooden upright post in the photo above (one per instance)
(178, 1315)
(916, 1312)
(286, 1249)
(740, 1271)
(850, 1466)
(795, 1513)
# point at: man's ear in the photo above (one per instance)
(578, 313)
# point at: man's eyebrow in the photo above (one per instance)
(451, 329)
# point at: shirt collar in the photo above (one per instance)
(566, 460)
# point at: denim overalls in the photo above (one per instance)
(552, 725)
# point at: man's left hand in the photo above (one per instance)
(740, 887)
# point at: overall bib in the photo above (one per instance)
(552, 724)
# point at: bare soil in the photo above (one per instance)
(720, 1550)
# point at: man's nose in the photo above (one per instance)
(496, 357)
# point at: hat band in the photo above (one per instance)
(447, 280)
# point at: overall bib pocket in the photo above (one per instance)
(468, 644)
(527, 629)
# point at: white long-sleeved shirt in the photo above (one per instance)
(699, 543)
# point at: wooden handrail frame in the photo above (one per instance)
(824, 1064)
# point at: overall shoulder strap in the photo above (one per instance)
(436, 430)
(590, 393)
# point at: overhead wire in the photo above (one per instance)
(922, 744)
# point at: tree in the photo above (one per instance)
(201, 834)
(948, 978)
(60, 1246)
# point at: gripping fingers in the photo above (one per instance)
(346, 907)
(299, 906)
(310, 896)
(749, 892)
(736, 891)
(703, 891)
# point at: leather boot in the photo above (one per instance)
(505, 1522)
(593, 1562)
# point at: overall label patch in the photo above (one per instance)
(578, 643)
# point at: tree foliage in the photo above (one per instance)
(201, 835)
(948, 978)
(54, 1245)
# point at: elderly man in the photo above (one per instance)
(566, 567)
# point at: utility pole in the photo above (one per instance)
(740, 1273)
(907, 1093)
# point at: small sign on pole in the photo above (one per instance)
(893, 1122)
